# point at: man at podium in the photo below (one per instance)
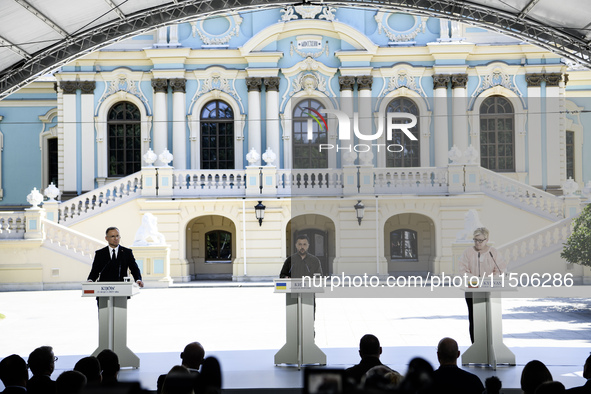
(112, 262)
(301, 263)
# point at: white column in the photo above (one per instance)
(70, 137)
(179, 128)
(253, 85)
(364, 84)
(87, 139)
(554, 130)
(160, 138)
(460, 111)
(272, 109)
(440, 118)
(346, 85)
(534, 128)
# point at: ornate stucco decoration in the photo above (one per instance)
(403, 79)
(309, 76)
(307, 12)
(497, 77)
(209, 39)
(313, 55)
(216, 82)
(399, 36)
(122, 82)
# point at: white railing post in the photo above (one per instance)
(165, 181)
(366, 179)
(350, 182)
(149, 181)
(269, 180)
(572, 205)
(456, 178)
(471, 178)
(253, 183)
(34, 223)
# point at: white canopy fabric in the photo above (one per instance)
(37, 36)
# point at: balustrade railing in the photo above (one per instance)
(520, 194)
(417, 180)
(209, 182)
(309, 182)
(98, 199)
(530, 247)
(12, 225)
(66, 240)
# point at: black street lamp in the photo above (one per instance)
(259, 211)
(359, 210)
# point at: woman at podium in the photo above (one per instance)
(479, 260)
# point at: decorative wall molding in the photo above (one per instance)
(403, 79)
(123, 81)
(346, 83)
(459, 81)
(440, 81)
(396, 36)
(496, 77)
(216, 81)
(178, 84)
(314, 55)
(272, 84)
(253, 84)
(309, 76)
(308, 12)
(70, 87)
(222, 39)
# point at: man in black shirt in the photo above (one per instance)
(449, 378)
(369, 351)
(301, 263)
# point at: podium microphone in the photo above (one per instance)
(479, 264)
(494, 261)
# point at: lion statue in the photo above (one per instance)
(148, 233)
(471, 223)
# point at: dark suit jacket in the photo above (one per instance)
(14, 390)
(454, 380)
(356, 372)
(41, 384)
(106, 271)
(585, 389)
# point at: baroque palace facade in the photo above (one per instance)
(197, 123)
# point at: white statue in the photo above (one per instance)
(148, 233)
(471, 223)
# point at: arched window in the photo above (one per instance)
(403, 245)
(411, 156)
(218, 247)
(497, 134)
(124, 141)
(306, 152)
(217, 136)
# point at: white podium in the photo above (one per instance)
(300, 347)
(488, 347)
(112, 305)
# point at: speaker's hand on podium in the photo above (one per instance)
(140, 283)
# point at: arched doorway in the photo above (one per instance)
(211, 247)
(320, 231)
(409, 244)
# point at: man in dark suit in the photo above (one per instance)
(449, 378)
(42, 364)
(370, 351)
(14, 374)
(586, 388)
(112, 262)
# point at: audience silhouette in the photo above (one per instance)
(586, 388)
(449, 378)
(42, 364)
(14, 374)
(534, 374)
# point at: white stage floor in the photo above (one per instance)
(244, 325)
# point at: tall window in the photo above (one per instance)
(124, 141)
(218, 247)
(217, 136)
(497, 134)
(570, 154)
(52, 154)
(403, 245)
(411, 156)
(306, 152)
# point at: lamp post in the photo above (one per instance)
(359, 211)
(259, 211)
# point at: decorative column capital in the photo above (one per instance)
(364, 82)
(459, 81)
(178, 85)
(534, 80)
(272, 84)
(441, 81)
(553, 79)
(160, 85)
(87, 87)
(253, 84)
(69, 87)
(346, 83)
